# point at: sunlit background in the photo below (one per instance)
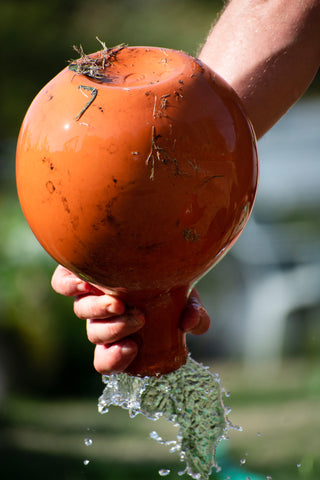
(263, 298)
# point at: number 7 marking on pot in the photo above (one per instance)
(94, 93)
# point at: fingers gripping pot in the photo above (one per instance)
(137, 170)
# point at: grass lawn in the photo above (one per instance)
(278, 412)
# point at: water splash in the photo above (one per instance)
(190, 398)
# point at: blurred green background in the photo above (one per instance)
(48, 387)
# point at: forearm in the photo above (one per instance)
(269, 51)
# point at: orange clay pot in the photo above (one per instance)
(138, 180)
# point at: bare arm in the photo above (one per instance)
(269, 52)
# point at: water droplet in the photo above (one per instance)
(174, 449)
(298, 465)
(268, 477)
(86, 462)
(259, 435)
(227, 394)
(163, 472)
(103, 409)
(243, 459)
(88, 441)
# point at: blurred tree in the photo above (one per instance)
(31, 35)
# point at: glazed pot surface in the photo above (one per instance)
(139, 180)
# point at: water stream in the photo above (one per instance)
(190, 398)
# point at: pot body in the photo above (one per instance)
(141, 181)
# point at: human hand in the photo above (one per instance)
(110, 323)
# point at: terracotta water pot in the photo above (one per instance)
(137, 170)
